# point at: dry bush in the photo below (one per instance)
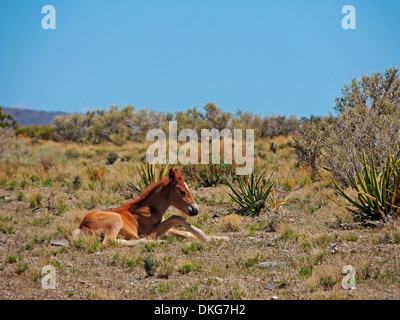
(95, 174)
(12, 150)
(231, 223)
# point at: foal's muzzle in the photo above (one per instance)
(193, 210)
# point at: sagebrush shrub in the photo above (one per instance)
(112, 157)
(12, 150)
(368, 119)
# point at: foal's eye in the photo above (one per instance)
(183, 192)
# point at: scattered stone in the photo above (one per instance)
(97, 262)
(59, 243)
(270, 264)
(219, 280)
(38, 211)
(274, 298)
(215, 216)
(333, 247)
(270, 287)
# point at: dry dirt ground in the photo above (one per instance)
(296, 251)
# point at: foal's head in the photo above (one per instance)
(180, 196)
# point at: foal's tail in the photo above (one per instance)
(76, 234)
(81, 232)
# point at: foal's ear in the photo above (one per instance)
(171, 175)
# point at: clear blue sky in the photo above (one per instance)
(268, 57)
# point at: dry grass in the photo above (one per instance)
(297, 250)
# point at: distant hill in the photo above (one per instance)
(27, 117)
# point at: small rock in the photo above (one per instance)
(271, 264)
(219, 279)
(215, 216)
(333, 247)
(270, 287)
(59, 243)
(274, 298)
(97, 262)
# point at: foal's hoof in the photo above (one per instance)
(209, 238)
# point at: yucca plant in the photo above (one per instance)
(252, 191)
(148, 173)
(378, 194)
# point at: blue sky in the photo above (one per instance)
(267, 57)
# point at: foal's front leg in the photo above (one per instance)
(172, 221)
(164, 226)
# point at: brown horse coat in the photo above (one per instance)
(143, 217)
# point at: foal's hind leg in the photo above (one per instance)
(103, 222)
(132, 243)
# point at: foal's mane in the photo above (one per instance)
(150, 189)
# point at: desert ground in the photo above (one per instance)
(294, 249)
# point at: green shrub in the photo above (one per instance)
(185, 269)
(35, 132)
(7, 121)
(76, 182)
(378, 192)
(21, 196)
(309, 142)
(252, 191)
(21, 268)
(112, 157)
(150, 265)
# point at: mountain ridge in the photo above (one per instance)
(27, 117)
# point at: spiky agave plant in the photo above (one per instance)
(252, 191)
(378, 194)
(148, 173)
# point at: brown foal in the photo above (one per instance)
(143, 217)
